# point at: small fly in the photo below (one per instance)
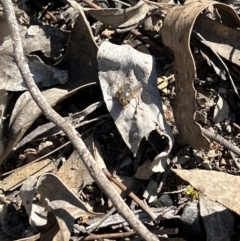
(125, 94)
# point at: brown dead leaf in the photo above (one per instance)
(74, 173)
(223, 39)
(176, 33)
(144, 171)
(218, 186)
(35, 169)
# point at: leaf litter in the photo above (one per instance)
(171, 110)
(136, 115)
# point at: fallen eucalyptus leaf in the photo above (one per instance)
(218, 186)
(175, 33)
(49, 41)
(26, 111)
(129, 85)
(122, 18)
(81, 59)
(33, 169)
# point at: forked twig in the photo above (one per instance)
(69, 130)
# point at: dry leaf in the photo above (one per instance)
(49, 41)
(218, 221)
(143, 171)
(62, 205)
(218, 186)
(176, 33)
(74, 173)
(130, 92)
(222, 39)
(122, 18)
(221, 110)
(26, 111)
(33, 169)
(81, 59)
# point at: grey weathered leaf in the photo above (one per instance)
(49, 41)
(122, 67)
(26, 112)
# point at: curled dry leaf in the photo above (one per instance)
(129, 84)
(223, 39)
(176, 33)
(218, 186)
(122, 18)
(62, 207)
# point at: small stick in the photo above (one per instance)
(44, 9)
(131, 194)
(168, 231)
(222, 141)
(112, 210)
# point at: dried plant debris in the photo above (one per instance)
(123, 19)
(129, 87)
(218, 186)
(198, 83)
(56, 204)
(81, 59)
(176, 32)
(50, 42)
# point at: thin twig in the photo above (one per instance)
(69, 130)
(222, 141)
(44, 9)
(112, 210)
(132, 195)
(44, 156)
(169, 231)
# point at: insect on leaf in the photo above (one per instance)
(129, 84)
